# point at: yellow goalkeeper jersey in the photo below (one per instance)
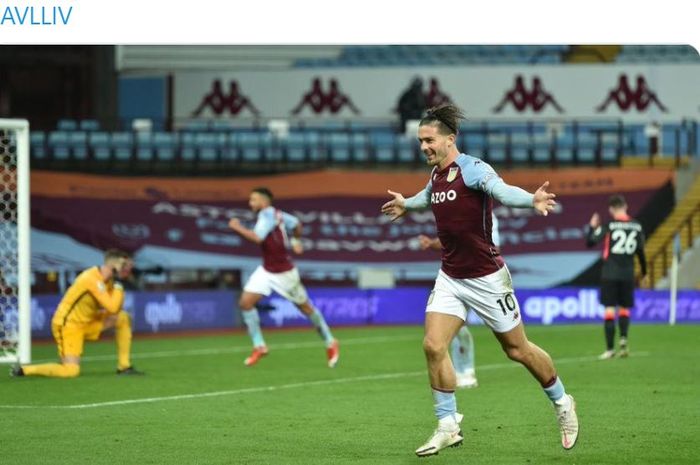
(88, 294)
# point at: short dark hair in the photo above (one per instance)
(446, 117)
(112, 254)
(617, 201)
(264, 191)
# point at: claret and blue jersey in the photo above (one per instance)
(273, 227)
(459, 196)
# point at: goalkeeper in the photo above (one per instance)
(92, 304)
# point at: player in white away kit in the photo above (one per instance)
(462, 346)
(277, 273)
(473, 274)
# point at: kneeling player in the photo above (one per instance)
(92, 304)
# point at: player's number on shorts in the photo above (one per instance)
(507, 303)
(624, 243)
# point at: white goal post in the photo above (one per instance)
(15, 280)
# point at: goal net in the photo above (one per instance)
(15, 318)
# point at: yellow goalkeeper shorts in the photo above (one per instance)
(71, 336)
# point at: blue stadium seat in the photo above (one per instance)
(209, 145)
(144, 146)
(250, 146)
(188, 146)
(314, 145)
(99, 144)
(165, 146)
(67, 125)
(407, 148)
(59, 145)
(294, 147)
(78, 144)
(360, 147)
(221, 125)
(519, 147)
(473, 142)
(383, 145)
(37, 144)
(230, 152)
(89, 125)
(541, 148)
(196, 125)
(339, 147)
(122, 144)
(496, 152)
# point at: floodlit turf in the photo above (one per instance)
(374, 408)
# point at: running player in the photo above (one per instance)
(624, 238)
(277, 273)
(473, 273)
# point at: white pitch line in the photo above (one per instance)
(280, 387)
(243, 349)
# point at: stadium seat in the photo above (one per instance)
(196, 125)
(59, 145)
(541, 148)
(360, 147)
(144, 147)
(314, 145)
(496, 151)
(122, 144)
(406, 148)
(208, 146)
(67, 125)
(37, 143)
(99, 145)
(188, 147)
(383, 145)
(473, 142)
(519, 147)
(339, 147)
(89, 125)
(250, 146)
(294, 147)
(165, 145)
(78, 144)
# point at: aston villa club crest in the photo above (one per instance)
(452, 174)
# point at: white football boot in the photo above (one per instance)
(568, 423)
(448, 435)
(607, 355)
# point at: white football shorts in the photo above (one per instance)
(287, 284)
(490, 296)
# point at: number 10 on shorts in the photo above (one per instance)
(507, 303)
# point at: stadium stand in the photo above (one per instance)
(438, 55)
(216, 145)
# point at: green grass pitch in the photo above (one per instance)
(198, 404)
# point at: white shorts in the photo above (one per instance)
(287, 284)
(490, 296)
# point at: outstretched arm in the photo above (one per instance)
(398, 206)
(244, 232)
(512, 196)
